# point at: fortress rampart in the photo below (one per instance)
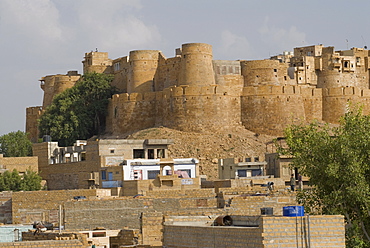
(193, 92)
(187, 108)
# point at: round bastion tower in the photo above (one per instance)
(196, 65)
(53, 85)
(197, 103)
(143, 65)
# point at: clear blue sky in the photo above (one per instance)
(45, 37)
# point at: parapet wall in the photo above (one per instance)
(31, 206)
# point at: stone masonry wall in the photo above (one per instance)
(6, 207)
(21, 164)
(32, 115)
(322, 231)
(336, 102)
(269, 109)
(318, 230)
(187, 108)
(31, 206)
(46, 244)
(215, 236)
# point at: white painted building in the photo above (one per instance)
(143, 169)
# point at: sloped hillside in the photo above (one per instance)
(208, 147)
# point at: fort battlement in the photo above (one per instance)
(345, 91)
(174, 91)
(281, 91)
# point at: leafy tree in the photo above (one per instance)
(31, 181)
(12, 181)
(78, 112)
(15, 144)
(337, 161)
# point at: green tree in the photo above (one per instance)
(31, 181)
(12, 181)
(15, 144)
(337, 161)
(78, 112)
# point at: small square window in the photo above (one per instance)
(111, 150)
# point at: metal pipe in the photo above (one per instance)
(60, 219)
(308, 231)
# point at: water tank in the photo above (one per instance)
(293, 211)
(224, 220)
(46, 138)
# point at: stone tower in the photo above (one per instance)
(142, 68)
(55, 84)
(97, 62)
(196, 65)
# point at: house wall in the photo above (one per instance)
(21, 164)
(31, 206)
(323, 231)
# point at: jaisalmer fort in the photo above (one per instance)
(193, 92)
(100, 202)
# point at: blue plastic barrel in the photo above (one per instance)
(293, 211)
